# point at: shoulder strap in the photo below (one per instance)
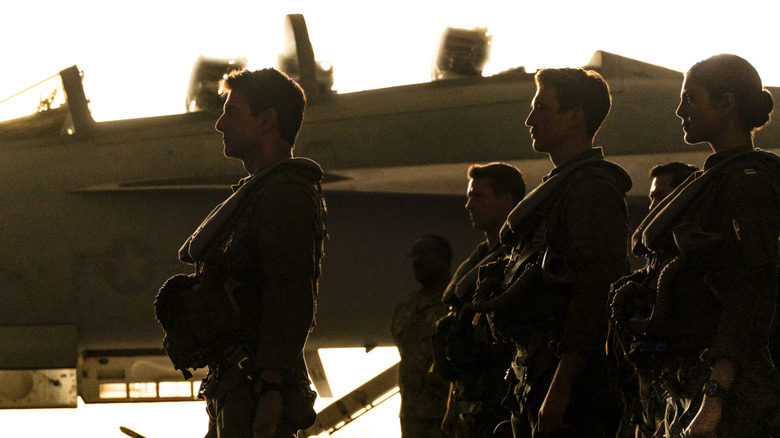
(525, 217)
(193, 247)
(658, 223)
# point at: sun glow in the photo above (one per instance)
(346, 370)
(137, 59)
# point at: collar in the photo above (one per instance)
(595, 152)
(240, 183)
(662, 219)
(539, 197)
(719, 157)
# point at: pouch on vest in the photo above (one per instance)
(454, 352)
(299, 402)
(172, 309)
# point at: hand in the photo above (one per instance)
(268, 415)
(559, 394)
(660, 431)
(449, 422)
(708, 417)
(706, 420)
(503, 430)
(551, 413)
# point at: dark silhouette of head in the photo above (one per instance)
(579, 88)
(678, 172)
(665, 178)
(503, 178)
(730, 74)
(270, 89)
(431, 257)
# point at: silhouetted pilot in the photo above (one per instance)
(258, 262)
(666, 178)
(467, 354)
(423, 391)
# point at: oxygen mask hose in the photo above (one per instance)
(512, 295)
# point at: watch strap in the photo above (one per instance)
(713, 388)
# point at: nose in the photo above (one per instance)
(528, 120)
(219, 125)
(681, 110)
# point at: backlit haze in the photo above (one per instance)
(137, 56)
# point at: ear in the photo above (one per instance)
(575, 117)
(268, 118)
(727, 103)
(508, 201)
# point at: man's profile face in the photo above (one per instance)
(660, 188)
(240, 130)
(546, 121)
(487, 210)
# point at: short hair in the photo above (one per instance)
(502, 177)
(441, 245)
(270, 88)
(722, 74)
(677, 170)
(579, 88)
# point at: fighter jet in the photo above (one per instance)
(94, 212)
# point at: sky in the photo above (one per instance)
(137, 56)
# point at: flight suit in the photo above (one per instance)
(713, 246)
(259, 265)
(573, 228)
(478, 361)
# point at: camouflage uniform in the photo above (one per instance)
(423, 392)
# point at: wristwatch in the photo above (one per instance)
(712, 388)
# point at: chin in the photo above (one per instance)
(539, 146)
(691, 140)
(228, 152)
